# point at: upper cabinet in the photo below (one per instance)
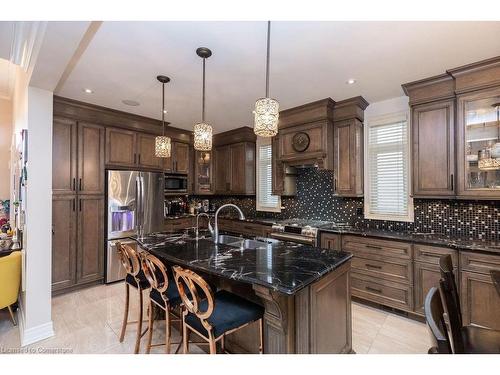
(478, 130)
(120, 147)
(77, 157)
(179, 159)
(348, 116)
(234, 157)
(456, 132)
(146, 152)
(203, 173)
(432, 105)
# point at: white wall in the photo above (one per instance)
(5, 142)
(398, 104)
(38, 239)
(32, 110)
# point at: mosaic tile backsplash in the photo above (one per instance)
(315, 200)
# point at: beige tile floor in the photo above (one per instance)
(89, 321)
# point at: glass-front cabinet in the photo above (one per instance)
(478, 145)
(203, 172)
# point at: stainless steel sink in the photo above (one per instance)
(241, 243)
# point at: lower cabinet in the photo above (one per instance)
(478, 296)
(77, 241)
(331, 241)
(176, 225)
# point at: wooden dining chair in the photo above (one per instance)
(163, 295)
(213, 315)
(135, 277)
(434, 316)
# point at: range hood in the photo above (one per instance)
(306, 135)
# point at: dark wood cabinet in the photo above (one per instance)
(331, 241)
(433, 149)
(180, 157)
(121, 147)
(235, 168)
(90, 239)
(348, 149)
(284, 178)
(90, 159)
(203, 173)
(64, 228)
(64, 156)
(222, 169)
(146, 152)
(348, 158)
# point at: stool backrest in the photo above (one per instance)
(434, 315)
(129, 258)
(446, 269)
(193, 289)
(155, 272)
(450, 308)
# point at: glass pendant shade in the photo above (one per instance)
(266, 117)
(163, 146)
(202, 137)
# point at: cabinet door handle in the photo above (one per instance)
(452, 182)
(373, 247)
(135, 158)
(139, 159)
(369, 288)
(373, 266)
(80, 205)
(74, 183)
(79, 184)
(74, 203)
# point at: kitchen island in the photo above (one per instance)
(305, 290)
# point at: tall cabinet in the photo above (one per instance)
(432, 103)
(77, 203)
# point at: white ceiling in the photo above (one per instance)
(309, 61)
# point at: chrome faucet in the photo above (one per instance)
(216, 230)
(209, 225)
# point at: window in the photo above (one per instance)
(265, 200)
(386, 168)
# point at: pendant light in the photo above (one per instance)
(489, 158)
(163, 144)
(266, 111)
(202, 130)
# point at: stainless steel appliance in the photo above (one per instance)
(298, 230)
(176, 183)
(135, 207)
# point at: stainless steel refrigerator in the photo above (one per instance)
(135, 208)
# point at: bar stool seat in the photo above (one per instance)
(230, 312)
(479, 340)
(172, 294)
(143, 282)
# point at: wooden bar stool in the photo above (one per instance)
(135, 278)
(163, 295)
(213, 316)
(465, 339)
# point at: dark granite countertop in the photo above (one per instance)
(282, 266)
(226, 217)
(422, 238)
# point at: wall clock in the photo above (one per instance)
(300, 141)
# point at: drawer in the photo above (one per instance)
(251, 229)
(398, 270)
(431, 254)
(386, 293)
(331, 241)
(373, 248)
(178, 224)
(481, 263)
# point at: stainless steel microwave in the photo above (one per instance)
(176, 183)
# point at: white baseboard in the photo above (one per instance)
(31, 335)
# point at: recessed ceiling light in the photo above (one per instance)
(350, 81)
(131, 103)
(88, 91)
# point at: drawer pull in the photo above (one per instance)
(373, 247)
(373, 266)
(427, 254)
(369, 288)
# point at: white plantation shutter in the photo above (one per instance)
(387, 168)
(265, 200)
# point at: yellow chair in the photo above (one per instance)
(10, 280)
